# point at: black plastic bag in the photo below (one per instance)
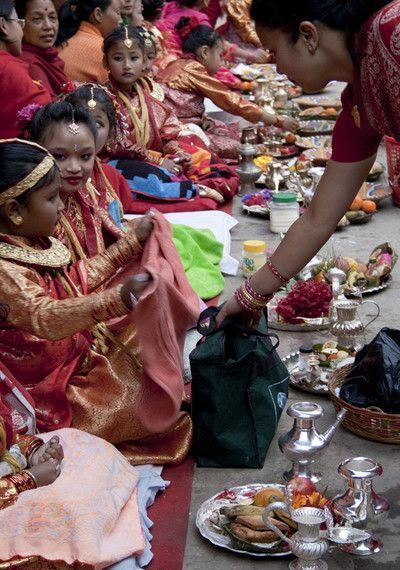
(375, 377)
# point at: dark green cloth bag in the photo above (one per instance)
(239, 388)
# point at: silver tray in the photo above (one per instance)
(210, 532)
(321, 389)
(371, 290)
(306, 327)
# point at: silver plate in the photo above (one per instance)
(209, 531)
(321, 389)
(371, 290)
(306, 327)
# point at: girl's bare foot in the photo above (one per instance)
(46, 473)
(51, 449)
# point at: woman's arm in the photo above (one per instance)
(336, 190)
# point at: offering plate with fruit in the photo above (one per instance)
(232, 519)
(327, 357)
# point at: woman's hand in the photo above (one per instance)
(50, 450)
(289, 123)
(259, 56)
(46, 473)
(232, 310)
(135, 285)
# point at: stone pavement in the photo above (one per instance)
(356, 241)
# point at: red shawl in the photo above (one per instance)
(371, 103)
(45, 66)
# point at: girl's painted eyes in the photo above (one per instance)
(59, 156)
(99, 125)
(86, 157)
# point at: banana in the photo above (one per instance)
(241, 510)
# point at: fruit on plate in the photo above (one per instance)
(290, 138)
(331, 353)
(358, 204)
(302, 486)
(263, 497)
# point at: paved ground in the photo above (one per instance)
(355, 241)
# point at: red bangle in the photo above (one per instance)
(276, 272)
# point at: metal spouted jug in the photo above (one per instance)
(347, 326)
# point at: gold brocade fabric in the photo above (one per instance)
(191, 76)
(8, 493)
(43, 332)
(35, 563)
(238, 12)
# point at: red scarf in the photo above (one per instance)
(47, 64)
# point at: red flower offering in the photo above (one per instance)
(306, 299)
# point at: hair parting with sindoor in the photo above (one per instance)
(73, 13)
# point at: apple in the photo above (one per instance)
(302, 486)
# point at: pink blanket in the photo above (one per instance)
(88, 515)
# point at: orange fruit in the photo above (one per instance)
(330, 111)
(368, 206)
(290, 138)
(263, 497)
(357, 203)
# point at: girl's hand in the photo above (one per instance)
(135, 285)
(171, 166)
(289, 123)
(46, 473)
(50, 450)
(143, 227)
(183, 159)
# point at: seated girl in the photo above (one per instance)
(85, 225)
(77, 487)
(38, 51)
(150, 129)
(190, 79)
(133, 196)
(64, 336)
(176, 9)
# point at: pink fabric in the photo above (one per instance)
(171, 14)
(163, 317)
(88, 515)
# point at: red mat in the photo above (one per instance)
(170, 514)
(169, 540)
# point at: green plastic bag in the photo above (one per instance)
(239, 388)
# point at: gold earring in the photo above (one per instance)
(18, 220)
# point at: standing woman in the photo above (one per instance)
(16, 85)
(314, 42)
(83, 25)
(38, 51)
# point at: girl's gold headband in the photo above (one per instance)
(33, 177)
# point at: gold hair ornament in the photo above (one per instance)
(73, 128)
(92, 102)
(33, 177)
(127, 41)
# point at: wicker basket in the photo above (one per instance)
(370, 423)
